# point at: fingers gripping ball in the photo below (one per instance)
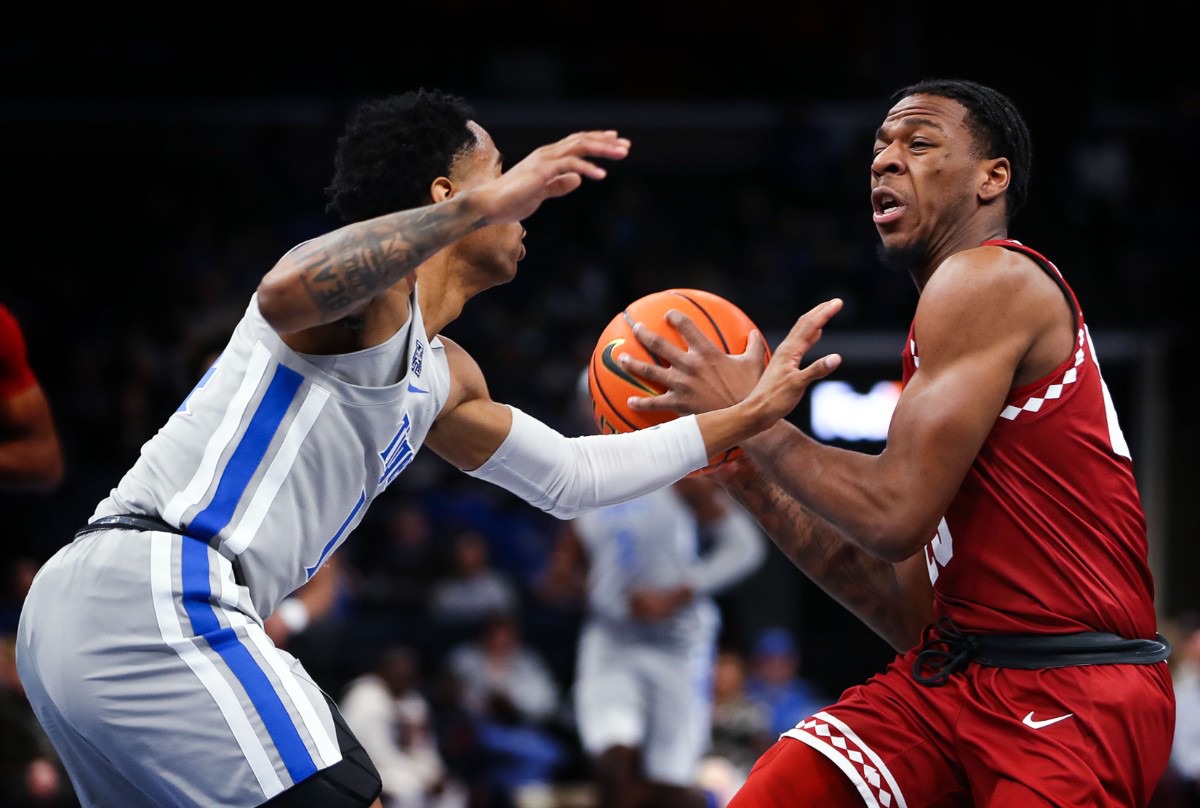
(610, 385)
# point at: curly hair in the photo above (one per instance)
(393, 148)
(997, 125)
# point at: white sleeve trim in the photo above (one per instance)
(568, 476)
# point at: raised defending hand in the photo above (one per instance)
(548, 171)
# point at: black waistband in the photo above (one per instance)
(128, 521)
(949, 650)
(143, 522)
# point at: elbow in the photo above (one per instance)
(892, 539)
(565, 511)
(894, 552)
(284, 299)
(275, 305)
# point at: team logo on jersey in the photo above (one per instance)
(398, 454)
(418, 357)
(1029, 720)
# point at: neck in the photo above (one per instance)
(923, 258)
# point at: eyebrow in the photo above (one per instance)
(912, 121)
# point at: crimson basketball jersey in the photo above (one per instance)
(1047, 533)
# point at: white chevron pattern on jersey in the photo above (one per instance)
(845, 749)
(1053, 391)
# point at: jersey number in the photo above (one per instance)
(939, 551)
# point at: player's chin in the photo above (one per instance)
(506, 268)
(889, 231)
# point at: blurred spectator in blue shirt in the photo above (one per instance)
(776, 682)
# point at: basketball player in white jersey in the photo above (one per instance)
(141, 645)
(643, 684)
(643, 681)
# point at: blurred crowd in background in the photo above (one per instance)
(142, 219)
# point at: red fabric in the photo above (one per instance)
(1047, 533)
(15, 373)
(967, 743)
(790, 774)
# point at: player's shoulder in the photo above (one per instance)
(988, 273)
(989, 256)
(989, 292)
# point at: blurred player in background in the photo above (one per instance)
(141, 644)
(31, 456)
(31, 462)
(998, 542)
(643, 685)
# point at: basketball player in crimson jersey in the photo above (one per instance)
(998, 542)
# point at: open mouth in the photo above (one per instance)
(886, 205)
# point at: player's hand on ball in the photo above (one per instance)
(699, 379)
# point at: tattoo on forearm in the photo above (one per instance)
(363, 259)
(863, 584)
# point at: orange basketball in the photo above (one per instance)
(610, 385)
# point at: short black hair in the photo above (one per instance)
(393, 148)
(997, 125)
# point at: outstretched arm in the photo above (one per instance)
(565, 476)
(331, 276)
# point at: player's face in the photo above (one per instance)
(923, 179)
(497, 248)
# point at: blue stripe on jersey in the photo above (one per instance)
(197, 595)
(362, 499)
(248, 455)
(266, 701)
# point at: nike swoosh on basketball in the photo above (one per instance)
(412, 388)
(1030, 722)
(606, 358)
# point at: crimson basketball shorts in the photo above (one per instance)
(1094, 735)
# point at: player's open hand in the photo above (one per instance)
(786, 378)
(703, 378)
(699, 379)
(548, 171)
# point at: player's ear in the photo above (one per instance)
(441, 189)
(996, 175)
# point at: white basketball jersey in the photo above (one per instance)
(648, 542)
(275, 456)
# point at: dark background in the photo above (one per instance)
(152, 176)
